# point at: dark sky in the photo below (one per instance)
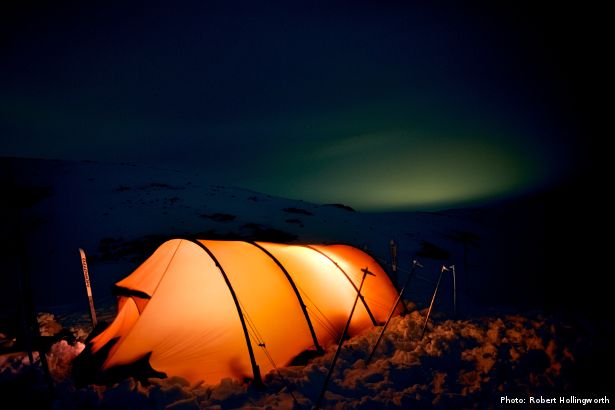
(378, 105)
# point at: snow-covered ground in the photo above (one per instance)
(119, 213)
(466, 363)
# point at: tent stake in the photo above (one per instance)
(88, 287)
(415, 265)
(339, 346)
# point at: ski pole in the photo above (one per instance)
(433, 298)
(394, 262)
(415, 265)
(339, 346)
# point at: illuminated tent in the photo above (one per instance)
(205, 310)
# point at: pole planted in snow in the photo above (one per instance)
(394, 262)
(415, 265)
(433, 299)
(454, 291)
(339, 346)
(88, 287)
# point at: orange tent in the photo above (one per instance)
(205, 310)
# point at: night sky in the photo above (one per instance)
(381, 106)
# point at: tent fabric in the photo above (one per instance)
(209, 309)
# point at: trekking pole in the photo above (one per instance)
(433, 298)
(88, 287)
(339, 346)
(415, 265)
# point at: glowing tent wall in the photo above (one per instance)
(188, 304)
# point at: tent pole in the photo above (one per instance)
(319, 348)
(339, 346)
(433, 298)
(258, 381)
(415, 265)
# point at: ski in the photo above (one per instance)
(88, 287)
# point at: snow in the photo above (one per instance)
(120, 212)
(48, 326)
(459, 363)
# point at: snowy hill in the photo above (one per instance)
(119, 213)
